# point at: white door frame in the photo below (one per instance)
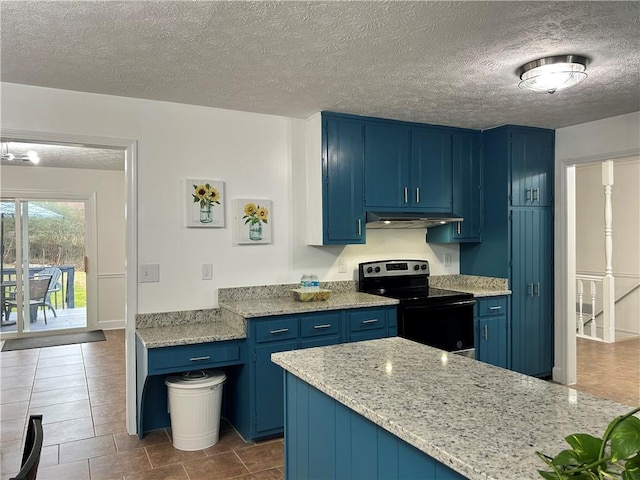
(565, 365)
(91, 247)
(131, 238)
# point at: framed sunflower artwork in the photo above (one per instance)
(204, 203)
(253, 220)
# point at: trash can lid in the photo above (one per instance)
(196, 379)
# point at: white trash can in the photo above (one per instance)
(195, 399)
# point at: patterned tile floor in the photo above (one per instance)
(610, 370)
(80, 390)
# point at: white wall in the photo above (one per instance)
(626, 233)
(257, 156)
(109, 189)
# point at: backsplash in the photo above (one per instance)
(270, 291)
(471, 281)
(167, 319)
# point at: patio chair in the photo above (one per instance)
(54, 286)
(38, 288)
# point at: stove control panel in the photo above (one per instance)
(393, 268)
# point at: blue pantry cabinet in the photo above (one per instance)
(517, 238)
(343, 180)
(467, 191)
(255, 391)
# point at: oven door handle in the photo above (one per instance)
(459, 303)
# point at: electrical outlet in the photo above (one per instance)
(207, 271)
(447, 259)
(149, 273)
(342, 266)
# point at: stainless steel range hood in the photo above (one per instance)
(409, 219)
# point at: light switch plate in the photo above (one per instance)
(207, 271)
(149, 273)
(447, 259)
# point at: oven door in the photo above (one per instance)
(448, 326)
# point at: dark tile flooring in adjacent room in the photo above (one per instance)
(80, 390)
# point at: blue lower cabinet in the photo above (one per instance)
(256, 391)
(492, 331)
(324, 439)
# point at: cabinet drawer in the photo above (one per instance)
(367, 319)
(273, 330)
(491, 306)
(313, 326)
(191, 357)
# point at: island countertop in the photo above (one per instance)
(265, 307)
(482, 421)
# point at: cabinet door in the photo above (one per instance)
(268, 391)
(467, 193)
(431, 170)
(532, 159)
(492, 340)
(386, 165)
(343, 187)
(532, 286)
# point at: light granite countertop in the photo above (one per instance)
(477, 285)
(265, 307)
(482, 421)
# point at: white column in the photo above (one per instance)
(608, 284)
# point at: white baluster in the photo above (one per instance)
(608, 283)
(580, 314)
(594, 329)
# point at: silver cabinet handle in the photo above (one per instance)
(458, 228)
(530, 289)
(528, 194)
(359, 227)
(536, 289)
(373, 320)
(406, 194)
(497, 307)
(199, 359)
(318, 327)
(418, 195)
(280, 330)
(485, 332)
(535, 195)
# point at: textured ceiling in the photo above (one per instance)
(67, 156)
(450, 63)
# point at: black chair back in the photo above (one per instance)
(32, 449)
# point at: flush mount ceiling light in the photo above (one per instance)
(30, 156)
(550, 74)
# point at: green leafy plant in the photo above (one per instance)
(614, 456)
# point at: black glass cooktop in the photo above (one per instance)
(428, 294)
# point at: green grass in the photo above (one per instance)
(80, 289)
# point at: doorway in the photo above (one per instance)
(43, 263)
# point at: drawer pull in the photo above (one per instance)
(199, 359)
(497, 307)
(280, 330)
(366, 322)
(318, 327)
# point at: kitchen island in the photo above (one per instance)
(415, 410)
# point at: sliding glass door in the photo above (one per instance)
(43, 265)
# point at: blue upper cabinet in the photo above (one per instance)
(467, 192)
(532, 153)
(407, 167)
(387, 165)
(343, 185)
(431, 170)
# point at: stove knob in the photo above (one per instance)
(377, 269)
(424, 267)
(369, 269)
(416, 267)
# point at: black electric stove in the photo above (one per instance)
(433, 316)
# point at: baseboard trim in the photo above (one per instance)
(112, 324)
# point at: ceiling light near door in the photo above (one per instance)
(30, 156)
(550, 74)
